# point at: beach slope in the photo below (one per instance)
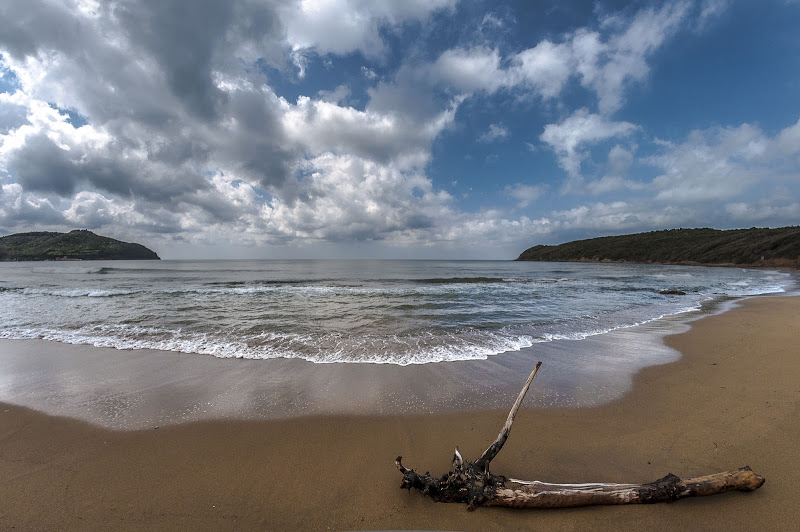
(731, 400)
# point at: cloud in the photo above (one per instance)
(710, 9)
(322, 127)
(91, 210)
(492, 21)
(352, 198)
(618, 165)
(577, 131)
(786, 212)
(617, 215)
(339, 95)
(183, 135)
(524, 194)
(544, 68)
(194, 125)
(469, 69)
(368, 73)
(20, 207)
(345, 26)
(496, 132)
(609, 68)
(605, 62)
(13, 111)
(719, 164)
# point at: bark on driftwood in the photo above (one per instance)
(473, 484)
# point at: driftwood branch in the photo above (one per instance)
(473, 484)
(494, 448)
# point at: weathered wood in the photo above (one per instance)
(473, 484)
(522, 494)
(494, 448)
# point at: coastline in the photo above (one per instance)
(141, 389)
(786, 265)
(730, 400)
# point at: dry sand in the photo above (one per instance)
(731, 400)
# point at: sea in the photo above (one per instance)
(397, 312)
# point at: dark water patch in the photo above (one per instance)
(419, 306)
(631, 289)
(105, 270)
(461, 280)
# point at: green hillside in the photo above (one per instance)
(75, 245)
(745, 247)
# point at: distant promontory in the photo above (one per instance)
(75, 245)
(740, 247)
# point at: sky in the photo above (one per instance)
(450, 129)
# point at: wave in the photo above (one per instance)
(434, 287)
(484, 280)
(105, 270)
(421, 347)
(78, 292)
(459, 280)
(354, 318)
(332, 283)
(324, 349)
(343, 283)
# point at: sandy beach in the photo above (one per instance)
(731, 400)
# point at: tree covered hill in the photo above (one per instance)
(75, 245)
(743, 247)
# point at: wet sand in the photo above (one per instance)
(731, 400)
(141, 389)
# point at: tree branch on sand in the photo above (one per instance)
(473, 484)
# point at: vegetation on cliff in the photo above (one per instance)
(75, 245)
(743, 247)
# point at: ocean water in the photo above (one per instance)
(360, 311)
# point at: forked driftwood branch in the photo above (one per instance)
(473, 484)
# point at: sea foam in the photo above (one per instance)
(374, 312)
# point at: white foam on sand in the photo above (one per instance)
(139, 389)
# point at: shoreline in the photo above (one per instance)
(785, 265)
(140, 389)
(731, 400)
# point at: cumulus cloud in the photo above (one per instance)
(605, 61)
(167, 118)
(492, 21)
(344, 26)
(524, 194)
(624, 216)
(20, 207)
(721, 176)
(495, 133)
(579, 130)
(722, 163)
(339, 95)
(710, 9)
(618, 165)
(368, 73)
(325, 127)
(183, 133)
(758, 212)
(13, 111)
(352, 198)
(609, 68)
(544, 68)
(469, 69)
